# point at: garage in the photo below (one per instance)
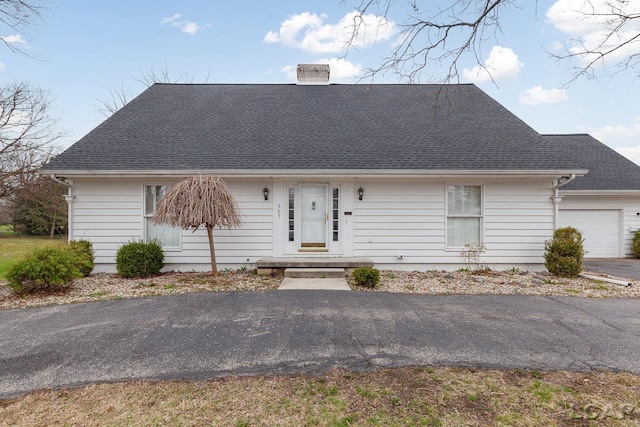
(600, 229)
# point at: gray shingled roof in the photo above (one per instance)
(338, 127)
(608, 170)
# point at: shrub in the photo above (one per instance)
(635, 244)
(139, 259)
(563, 254)
(47, 269)
(368, 277)
(82, 251)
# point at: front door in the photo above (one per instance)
(313, 216)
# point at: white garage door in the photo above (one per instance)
(600, 229)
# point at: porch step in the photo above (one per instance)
(276, 266)
(290, 283)
(316, 273)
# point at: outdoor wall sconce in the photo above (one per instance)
(360, 193)
(265, 191)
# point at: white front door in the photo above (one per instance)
(314, 219)
(313, 216)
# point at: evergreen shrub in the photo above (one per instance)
(635, 244)
(139, 259)
(367, 277)
(563, 254)
(46, 269)
(82, 251)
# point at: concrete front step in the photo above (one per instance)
(276, 266)
(315, 273)
(331, 284)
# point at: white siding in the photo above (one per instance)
(408, 218)
(396, 216)
(109, 213)
(629, 205)
(518, 220)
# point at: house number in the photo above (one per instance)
(278, 210)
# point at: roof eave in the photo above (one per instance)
(355, 173)
(628, 192)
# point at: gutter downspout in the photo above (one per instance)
(69, 198)
(560, 182)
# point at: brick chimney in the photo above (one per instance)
(313, 74)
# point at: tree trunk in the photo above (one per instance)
(53, 228)
(214, 266)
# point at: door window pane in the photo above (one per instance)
(335, 214)
(313, 216)
(292, 196)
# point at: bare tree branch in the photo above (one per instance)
(119, 96)
(27, 134)
(440, 37)
(618, 44)
(16, 14)
(27, 131)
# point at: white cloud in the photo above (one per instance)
(185, 25)
(589, 25)
(501, 64)
(341, 69)
(171, 19)
(190, 27)
(621, 138)
(289, 71)
(2, 66)
(618, 131)
(308, 31)
(537, 95)
(14, 39)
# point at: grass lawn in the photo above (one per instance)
(6, 231)
(421, 396)
(13, 247)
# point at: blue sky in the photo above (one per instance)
(79, 49)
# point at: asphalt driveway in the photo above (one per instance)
(628, 268)
(206, 335)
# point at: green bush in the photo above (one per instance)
(139, 259)
(367, 277)
(563, 254)
(635, 244)
(46, 269)
(82, 251)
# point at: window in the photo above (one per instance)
(168, 236)
(291, 210)
(335, 214)
(464, 215)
